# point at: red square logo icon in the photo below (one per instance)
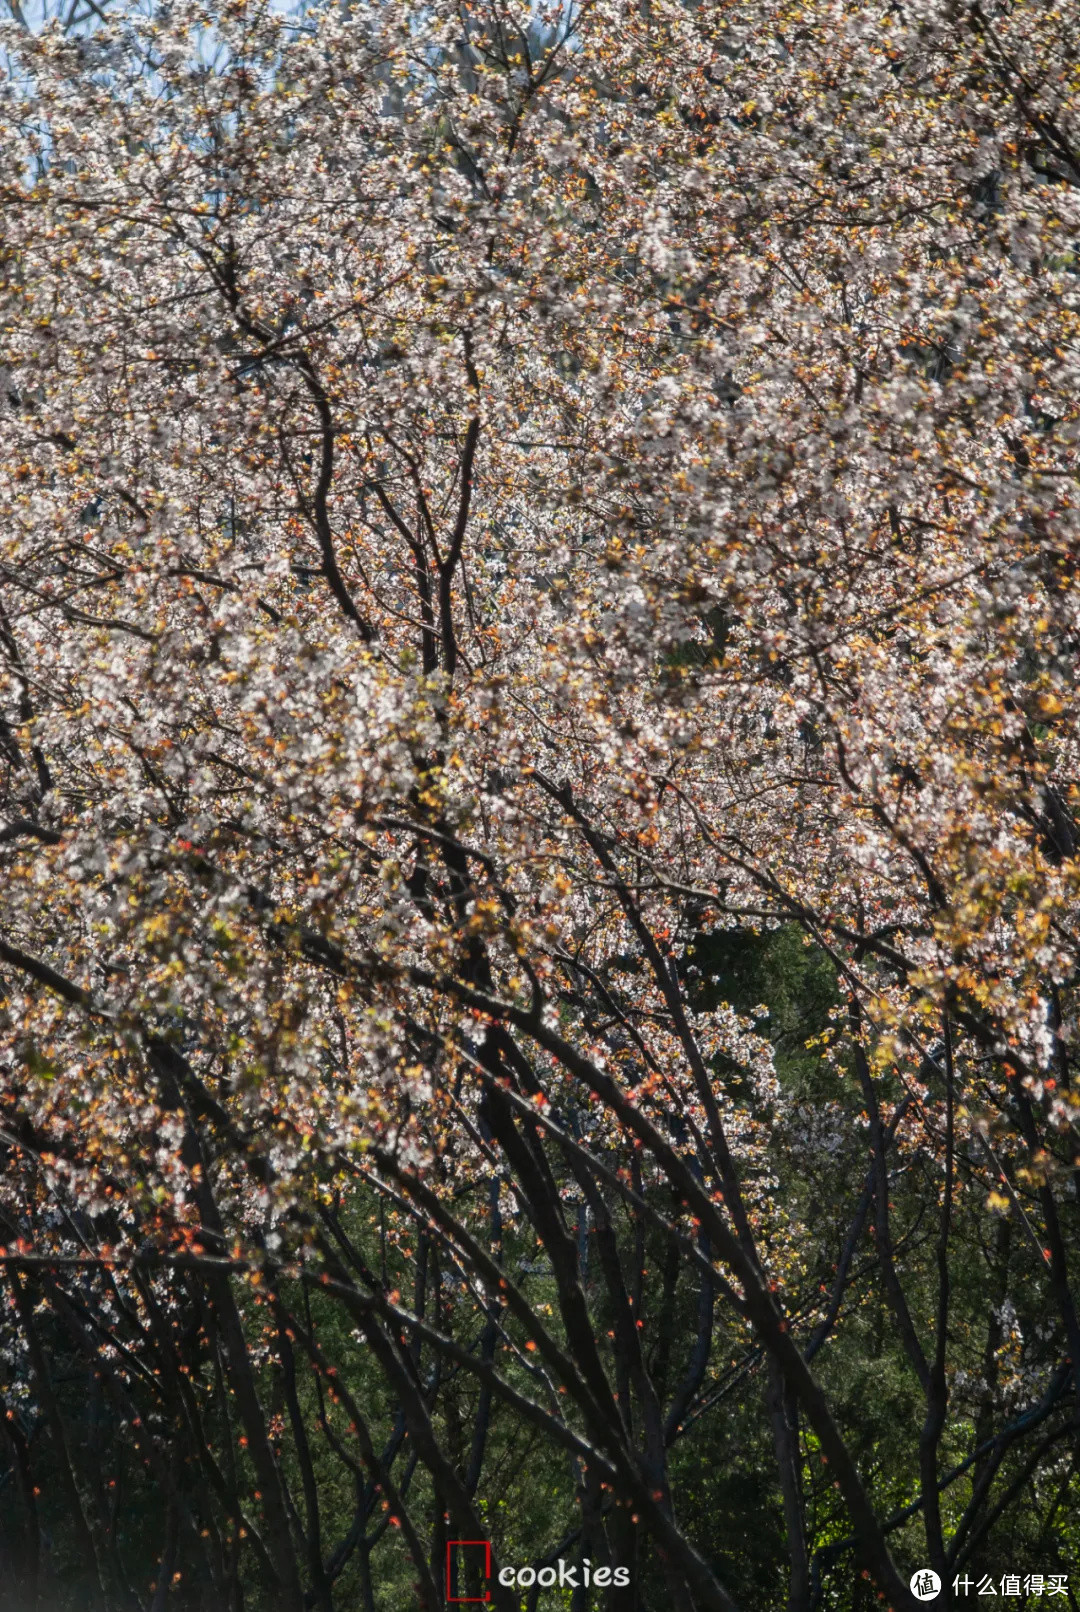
(457, 1561)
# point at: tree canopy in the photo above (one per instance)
(538, 766)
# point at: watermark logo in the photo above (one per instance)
(926, 1585)
(558, 1575)
(564, 1575)
(1014, 1584)
(480, 1550)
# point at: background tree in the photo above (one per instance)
(537, 638)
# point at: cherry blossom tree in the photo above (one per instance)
(505, 512)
